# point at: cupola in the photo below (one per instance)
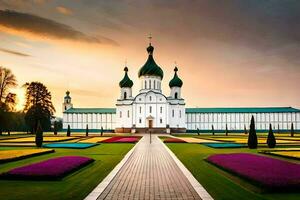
(126, 82)
(176, 81)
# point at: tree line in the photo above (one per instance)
(38, 108)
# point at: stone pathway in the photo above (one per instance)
(149, 173)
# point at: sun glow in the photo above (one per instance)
(20, 92)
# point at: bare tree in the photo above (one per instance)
(7, 81)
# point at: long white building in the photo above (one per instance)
(152, 109)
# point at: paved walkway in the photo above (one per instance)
(149, 173)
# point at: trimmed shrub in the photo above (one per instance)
(87, 130)
(292, 130)
(226, 131)
(55, 127)
(252, 137)
(101, 130)
(212, 130)
(198, 131)
(69, 131)
(271, 141)
(245, 130)
(39, 135)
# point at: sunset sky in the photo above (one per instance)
(232, 53)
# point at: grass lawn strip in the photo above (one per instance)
(13, 155)
(51, 169)
(70, 145)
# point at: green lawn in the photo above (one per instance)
(220, 184)
(75, 186)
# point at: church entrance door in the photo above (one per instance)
(150, 123)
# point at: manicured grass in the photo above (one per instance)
(219, 183)
(75, 186)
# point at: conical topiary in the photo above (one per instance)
(292, 130)
(212, 130)
(69, 131)
(271, 141)
(39, 135)
(55, 127)
(101, 131)
(252, 137)
(198, 131)
(87, 130)
(226, 130)
(245, 130)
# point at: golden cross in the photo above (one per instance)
(150, 38)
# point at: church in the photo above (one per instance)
(151, 109)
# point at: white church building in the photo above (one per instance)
(152, 110)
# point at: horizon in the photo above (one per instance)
(246, 58)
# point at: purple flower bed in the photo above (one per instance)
(51, 169)
(267, 172)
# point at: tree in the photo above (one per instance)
(292, 130)
(55, 127)
(39, 135)
(101, 130)
(87, 130)
(212, 130)
(226, 130)
(271, 141)
(245, 130)
(198, 131)
(38, 106)
(252, 137)
(7, 81)
(69, 131)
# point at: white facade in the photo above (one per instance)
(151, 108)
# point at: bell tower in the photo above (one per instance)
(67, 102)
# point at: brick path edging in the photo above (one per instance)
(196, 185)
(105, 182)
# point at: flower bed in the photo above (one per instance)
(80, 145)
(287, 154)
(51, 169)
(224, 145)
(174, 140)
(94, 139)
(32, 139)
(197, 140)
(12, 155)
(244, 140)
(268, 172)
(122, 139)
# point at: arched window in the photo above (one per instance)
(150, 109)
(128, 114)
(120, 114)
(176, 95)
(154, 84)
(145, 84)
(140, 109)
(172, 113)
(150, 98)
(65, 107)
(125, 95)
(149, 84)
(161, 109)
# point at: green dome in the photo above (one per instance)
(67, 95)
(150, 67)
(176, 81)
(126, 82)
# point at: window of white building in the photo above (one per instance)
(172, 113)
(150, 98)
(179, 113)
(150, 109)
(140, 120)
(160, 120)
(154, 84)
(140, 109)
(120, 114)
(145, 84)
(128, 113)
(161, 109)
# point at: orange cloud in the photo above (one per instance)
(63, 10)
